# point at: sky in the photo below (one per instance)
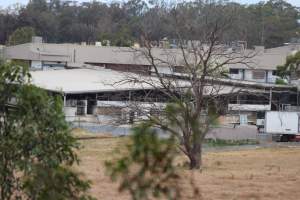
(5, 3)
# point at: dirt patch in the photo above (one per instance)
(258, 174)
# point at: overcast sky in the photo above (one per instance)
(5, 3)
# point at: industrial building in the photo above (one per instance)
(260, 68)
(264, 64)
(97, 95)
(91, 82)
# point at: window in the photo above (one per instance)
(258, 74)
(178, 69)
(274, 73)
(233, 71)
(260, 115)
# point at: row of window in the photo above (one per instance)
(256, 74)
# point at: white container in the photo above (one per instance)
(277, 122)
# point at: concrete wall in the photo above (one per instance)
(164, 70)
(70, 113)
(248, 107)
(36, 64)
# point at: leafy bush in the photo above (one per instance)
(280, 81)
(36, 147)
(54, 183)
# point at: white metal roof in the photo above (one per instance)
(83, 80)
(78, 81)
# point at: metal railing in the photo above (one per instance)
(251, 102)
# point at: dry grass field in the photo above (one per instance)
(258, 174)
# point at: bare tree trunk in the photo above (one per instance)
(196, 157)
(196, 154)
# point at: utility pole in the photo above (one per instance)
(270, 98)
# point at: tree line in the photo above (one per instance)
(270, 24)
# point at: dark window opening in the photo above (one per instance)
(91, 106)
(178, 69)
(233, 71)
(260, 115)
(80, 108)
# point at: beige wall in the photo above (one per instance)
(92, 54)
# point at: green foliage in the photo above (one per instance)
(21, 36)
(54, 183)
(147, 169)
(34, 137)
(280, 81)
(122, 38)
(269, 23)
(213, 115)
(24, 63)
(43, 127)
(290, 67)
(282, 71)
(279, 22)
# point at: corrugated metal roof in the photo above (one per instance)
(84, 80)
(77, 81)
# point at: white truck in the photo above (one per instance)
(284, 126)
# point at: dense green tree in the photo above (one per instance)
(38, 15)
(270, 23)
(8, 23)
(36, 147)
(21, 36)
(279, 21)
(291, 66)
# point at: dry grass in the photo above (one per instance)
(93, 155)
(261, 174)
(83, 134)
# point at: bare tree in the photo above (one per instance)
(195, 72)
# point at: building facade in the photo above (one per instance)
(86, 75)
